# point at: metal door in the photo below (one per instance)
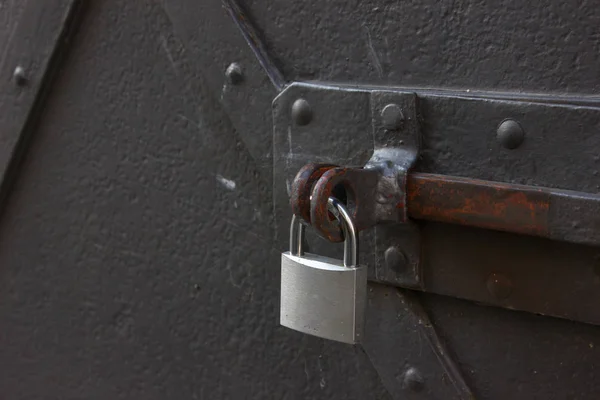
(145, 161)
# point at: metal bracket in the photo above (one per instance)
(471, 184)
(397, 141)
(376, 193)
(372, 193)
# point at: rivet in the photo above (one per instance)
(413, 380)
(19, 76)
(392, 117)
(395, 259)
(234, 74)
(301, 112)
(510, 134)
(499, 286)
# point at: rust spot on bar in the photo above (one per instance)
(491, 205)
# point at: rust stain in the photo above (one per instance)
(484, 204)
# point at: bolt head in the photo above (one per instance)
(413, 380)
(19, 76)
(301, 112)
(392, 117)
(395, 259)
(510, 134)
(234, 74)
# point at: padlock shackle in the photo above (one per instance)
(296, 236)
(340, 212)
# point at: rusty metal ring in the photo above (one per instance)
(319, 213)
(302, 187)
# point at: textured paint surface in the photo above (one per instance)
(490, 344)
(551, 46)
(129, 269)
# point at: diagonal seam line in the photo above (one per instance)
(252, 38)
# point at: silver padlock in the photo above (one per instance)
(324, 296)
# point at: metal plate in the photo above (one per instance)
(336, 113)
(459, 138)
(132, 267)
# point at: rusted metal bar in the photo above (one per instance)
(491, 205)
(529, 210)
(538, 211)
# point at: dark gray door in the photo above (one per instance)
(141, 187)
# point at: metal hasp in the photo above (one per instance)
(374, 194)
(527, 210)
(545, 212)
(441, 233)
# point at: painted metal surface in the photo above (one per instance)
(123, 273)
(126, 273)
(408, 256)
(407, 351)
(34, 44)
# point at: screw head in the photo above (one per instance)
(499, 286)
(301, 112)
(19, 76)
(395, 259)
(234, 74)
(510, 134)
(413, 380)
(392, 117)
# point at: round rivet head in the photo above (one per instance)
(395, 259)
(392, 117)
(301, 112)
(19, 76)
(234, 74)
(510, 134)
(413, 380)
(499, 286)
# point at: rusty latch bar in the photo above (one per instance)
(551, 213)
(545, 212)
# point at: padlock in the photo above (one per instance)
(323, 296)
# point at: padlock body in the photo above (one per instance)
(321, 297)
